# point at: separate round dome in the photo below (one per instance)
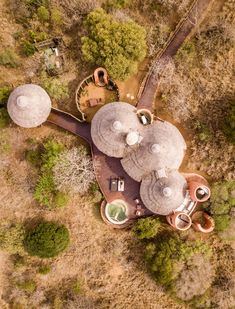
(162, 146)
(163, 195)
(115, 129)
(29, 105)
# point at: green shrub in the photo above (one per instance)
(43, 13)
(222, 222)
(187, 53)
(229, 127)
(146, 228)
(166, 252)
(56, 17)
(27, 286)
(4, 94)
(61, 199)
(44, 270)
(222, 197)
(116, 45)
(12, 238)
(55, 87)
(8, 58)
(45, 192)
(38, 36)
(47, 240)
(4, 118)
(27, 48)
(33, 156)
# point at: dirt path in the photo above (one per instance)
(186, 25)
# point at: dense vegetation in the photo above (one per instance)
(116, 45)
(47, 239)
(46, 192)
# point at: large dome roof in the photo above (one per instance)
(29, 105)
(116, 129)
(162, 146)
(163, 195)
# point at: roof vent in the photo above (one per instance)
(167, 191)
(132, 138)
(155, 148)
(117, 125)
(22, 101)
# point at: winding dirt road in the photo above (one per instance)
(183, 29)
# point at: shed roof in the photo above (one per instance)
(29, 105)
(163, 195)
(110, 127)
(162, 146)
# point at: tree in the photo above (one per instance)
(47, 239)
(73, 171)
(146, 228)
(116, 45)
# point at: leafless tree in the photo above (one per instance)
(73, 171)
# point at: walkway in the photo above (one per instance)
(70, 123)
(193, 18)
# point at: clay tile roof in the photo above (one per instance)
(162, 146)
(163, 195)
(29, 105)
(110, 127)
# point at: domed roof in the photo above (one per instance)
(116, 128)
(29, 105)
(162, 146)
(163, 195)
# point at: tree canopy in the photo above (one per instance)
(116, 45)
(47, 239)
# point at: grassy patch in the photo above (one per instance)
(9, 58)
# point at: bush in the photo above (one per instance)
(44, 270)
(118, 46)
(12, 238)
(27, 48)
(33, 156)
(229, 127)
(46, 192)
(166, 252)
(4, 118)
(4, 94)
(43, 13)
(27, 286)
(8, 58)
(55, 87)
(222, 222)
(47, 240)
(147, 228)
(222, 197)
(187, 53)
(56, 17)
(38, 36)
